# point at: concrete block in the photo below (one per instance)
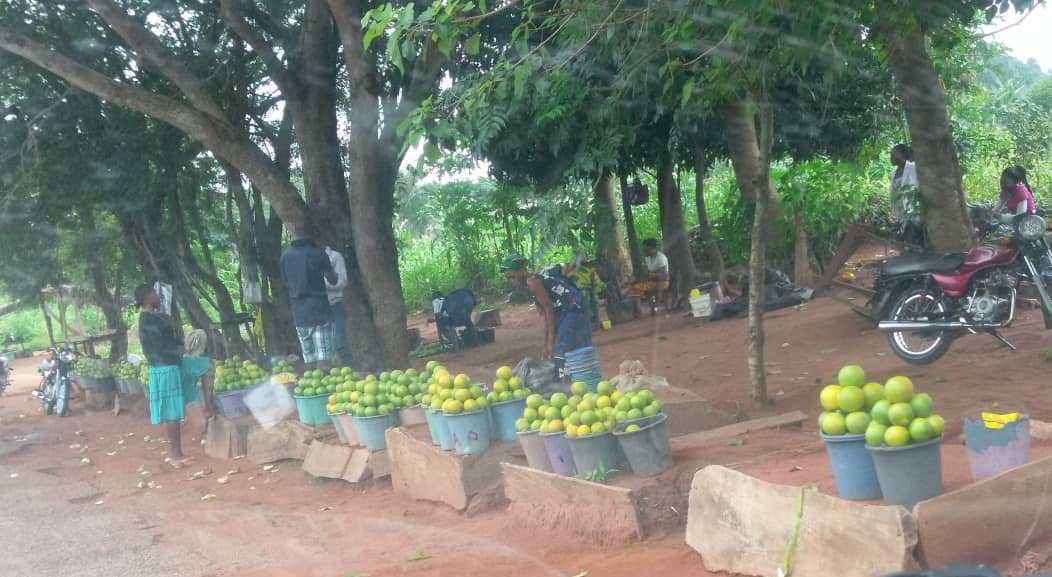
(327, 460)
(379, 464)
(286, 440)
(227, 437)
(693, 415)
(422, 471)
(357, 469)
(598, 514)
(991, 521)
(740, 524)
(694, 440)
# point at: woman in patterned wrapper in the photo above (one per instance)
(559, 302)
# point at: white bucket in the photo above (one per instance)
(701, 306)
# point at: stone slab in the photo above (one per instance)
(365, 464)
(593, 512)
(327, 460)
(227, 437)
(740, 524)
(692, 440)
(425, 472)
(995, 520)
(286, 440)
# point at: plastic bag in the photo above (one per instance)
(540, 376)
(634, 375)
(269, 403)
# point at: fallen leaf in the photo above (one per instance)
(99, 502)
(268, 467)
(239, 457)
(208, 497)
(99, 472)
(85, 461)
(419, 556)
(129, 434)
(326, 508)
(785, 345)
(252, 488)
(795, 468)
(77, 433)
(147, 438)
(735, 442)
(14, 475)
(223, 480)
(21, 416)
(234, 471)
(120, 442)
(111, 453)
(74, 446)
(141, 484)
(582, 574)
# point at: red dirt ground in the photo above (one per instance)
(269, 524)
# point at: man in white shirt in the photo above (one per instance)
(339, 316)
(657, 273)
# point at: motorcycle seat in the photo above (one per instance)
(923, 262)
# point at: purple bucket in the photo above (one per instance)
(559, 454)
(994, 451)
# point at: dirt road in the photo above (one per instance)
(124, 512)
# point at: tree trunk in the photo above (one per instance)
(108, 301)
(708, 241)
(47, 319)
(635, 253)
(938, 168)
(674, 239)
(609, 238)
(802, 273)
(750, 158)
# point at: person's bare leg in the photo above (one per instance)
(175, 441)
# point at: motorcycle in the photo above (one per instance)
(926, 301)
(5, 374)
(56, 375)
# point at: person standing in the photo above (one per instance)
(305, 268)
(657, 273)
(173, 376)
(905, 210)
(585, 274)
(566, 323)
(340, 350)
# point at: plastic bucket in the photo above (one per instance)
(909, 474)
(470, 431)
(994, 451)
(129, 387)
(505, 413)
(345, 422)
(313, 410)
(853, 471)
(646, 449)
(432, 425)
(338, 425)
(560, 457)
(536, 455)
(445, 437)
(371, 431)
(594, 450)
(231, 403)
(410, 416)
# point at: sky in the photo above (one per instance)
(1029, 39)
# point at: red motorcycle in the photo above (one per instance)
(927, 301)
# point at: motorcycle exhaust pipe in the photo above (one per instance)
(897, 326)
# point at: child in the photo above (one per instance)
(1016, 196)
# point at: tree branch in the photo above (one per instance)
(234, 17)
(156, 55)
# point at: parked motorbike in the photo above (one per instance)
(5, 374)
(926, 301)
(56, 375)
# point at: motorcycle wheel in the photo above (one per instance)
(62, 397)
(48, 399)
(919, 347)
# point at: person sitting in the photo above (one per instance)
(559, 302)
(1016, 196)
(453, 311)
(657, 273)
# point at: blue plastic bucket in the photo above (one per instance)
(371, 431)
(432, 425)
(560, 456)
(505, 413)
(853, 471)
(533, 446)
(312, 410)
(470, 431)
(909, 474)
(231, 403)
(337, 424)
(594, 451)
(994, 451)
(445, 437)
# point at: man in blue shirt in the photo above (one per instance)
(305, 268)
